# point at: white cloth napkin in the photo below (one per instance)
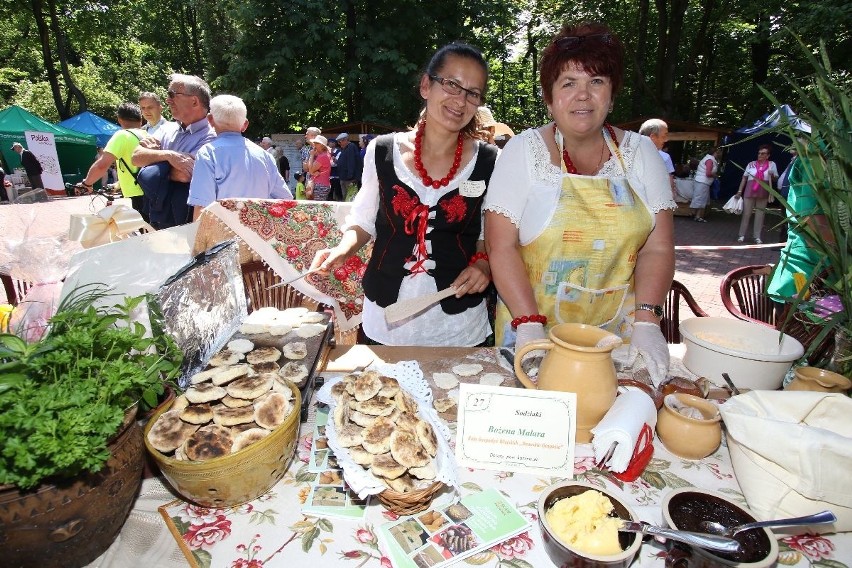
(623, 423)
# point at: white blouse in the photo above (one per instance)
(432, 327)
(526, 186)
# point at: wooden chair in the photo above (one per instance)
(15, 289)
(670, 322)
(746, 286)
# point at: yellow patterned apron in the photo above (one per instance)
(581, 266)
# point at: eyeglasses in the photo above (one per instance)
(172, 94)
(572, 43)
(452, 88)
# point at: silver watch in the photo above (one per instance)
(655, 309)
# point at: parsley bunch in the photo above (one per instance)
(63, 397)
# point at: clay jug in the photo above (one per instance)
(578, 360)
(819, 380)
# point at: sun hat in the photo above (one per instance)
(321, 140)
(485, 117)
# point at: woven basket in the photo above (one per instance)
(236, 478)
(411, 502)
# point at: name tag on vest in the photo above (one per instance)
(472, 188)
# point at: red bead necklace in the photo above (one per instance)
(418, 160)
(569, 164)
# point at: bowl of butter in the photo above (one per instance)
(579, 527)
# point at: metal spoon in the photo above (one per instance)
(734, 389)
(825, 517)
(701, 540)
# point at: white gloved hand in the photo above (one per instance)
(526, 333)
(650, 344)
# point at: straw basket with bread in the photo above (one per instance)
(388, 443)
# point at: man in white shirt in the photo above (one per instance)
(658, 131)
(152, 112)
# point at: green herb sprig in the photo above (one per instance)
(63, 397)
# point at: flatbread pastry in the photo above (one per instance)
(312, 317)
(232, 402)
(229, 374)
(239, 428)
(445, 381)
(405, 403)
(254, 328)
(225, 358)
(205, 392)
(361, 419)
(427, 437)
(341, 413)
(444, 404)
(204, 376)
(180, 403)
(240, 345)
(271, 411)
(406, 421)
(279, 328)
(225, 416)
(367, 385)
(376, 406)
(295, 312)
(407, 449)
(386, 466)
(212, 441)
(169, 432)
(338, 390)
(197, 413)
(266, 354)
(360, 456)
(390, 386)
(491, 379)
(247, 438)
(428, 471)
(268, 367)
(296, 350)
(293, 371)
(402, 484)
(308, 330)
(180, 453)
(350, 435)
(377, 436)
(250, 388)
(467, 369)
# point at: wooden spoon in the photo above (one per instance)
(405, 308)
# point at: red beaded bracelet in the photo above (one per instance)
(535, 318)
(477, 256)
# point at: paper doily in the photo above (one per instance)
(411, 379)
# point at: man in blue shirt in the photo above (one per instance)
(348, 166)
(167, 160)
(230, 165)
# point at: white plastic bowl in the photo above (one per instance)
(750, 353)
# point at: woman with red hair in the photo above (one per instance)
(580, 212)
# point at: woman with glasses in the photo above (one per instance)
(421, 205)
(758, 175)
(580, 212)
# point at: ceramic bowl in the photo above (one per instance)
(687, 507)
(563, 555)
(818, 380)
(686, 437)
(755, 356)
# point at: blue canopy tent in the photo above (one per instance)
(90, 123)
(745, 141)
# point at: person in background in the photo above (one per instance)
(320, 168)
(167, 160)
(487, 124)
(348, 166)
(306, 153)
(784, 189)
(336, 193)
(420, 202)
(230, 165)
(31, 165)
(754, 194)
(705, 173)
(658, 131)
(4, 196)
(119, 150)
(284, 168)
(300, 186)
(363, 142)
(152, 112)
(267, 144)
(580, 212)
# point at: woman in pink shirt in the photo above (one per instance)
(758, 175)
(320, 169)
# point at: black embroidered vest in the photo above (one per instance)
(401, 223)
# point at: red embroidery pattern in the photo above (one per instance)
(455, 209)
(402, 202)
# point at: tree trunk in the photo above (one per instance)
(47, 54)
(639, 81)
(668, 62)
(62, 53)
(690, 82)
(352, 92)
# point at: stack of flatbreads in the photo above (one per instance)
(377, 422)
(304, 323)
(228, 407)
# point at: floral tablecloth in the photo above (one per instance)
(286, 235)
(272, 532)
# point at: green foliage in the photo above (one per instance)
(62, 397)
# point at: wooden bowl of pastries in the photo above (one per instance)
(229, 438)
(378, 424)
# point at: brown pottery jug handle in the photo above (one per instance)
(542, 345)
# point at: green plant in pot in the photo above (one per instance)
(824, 172)
(67, 404)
